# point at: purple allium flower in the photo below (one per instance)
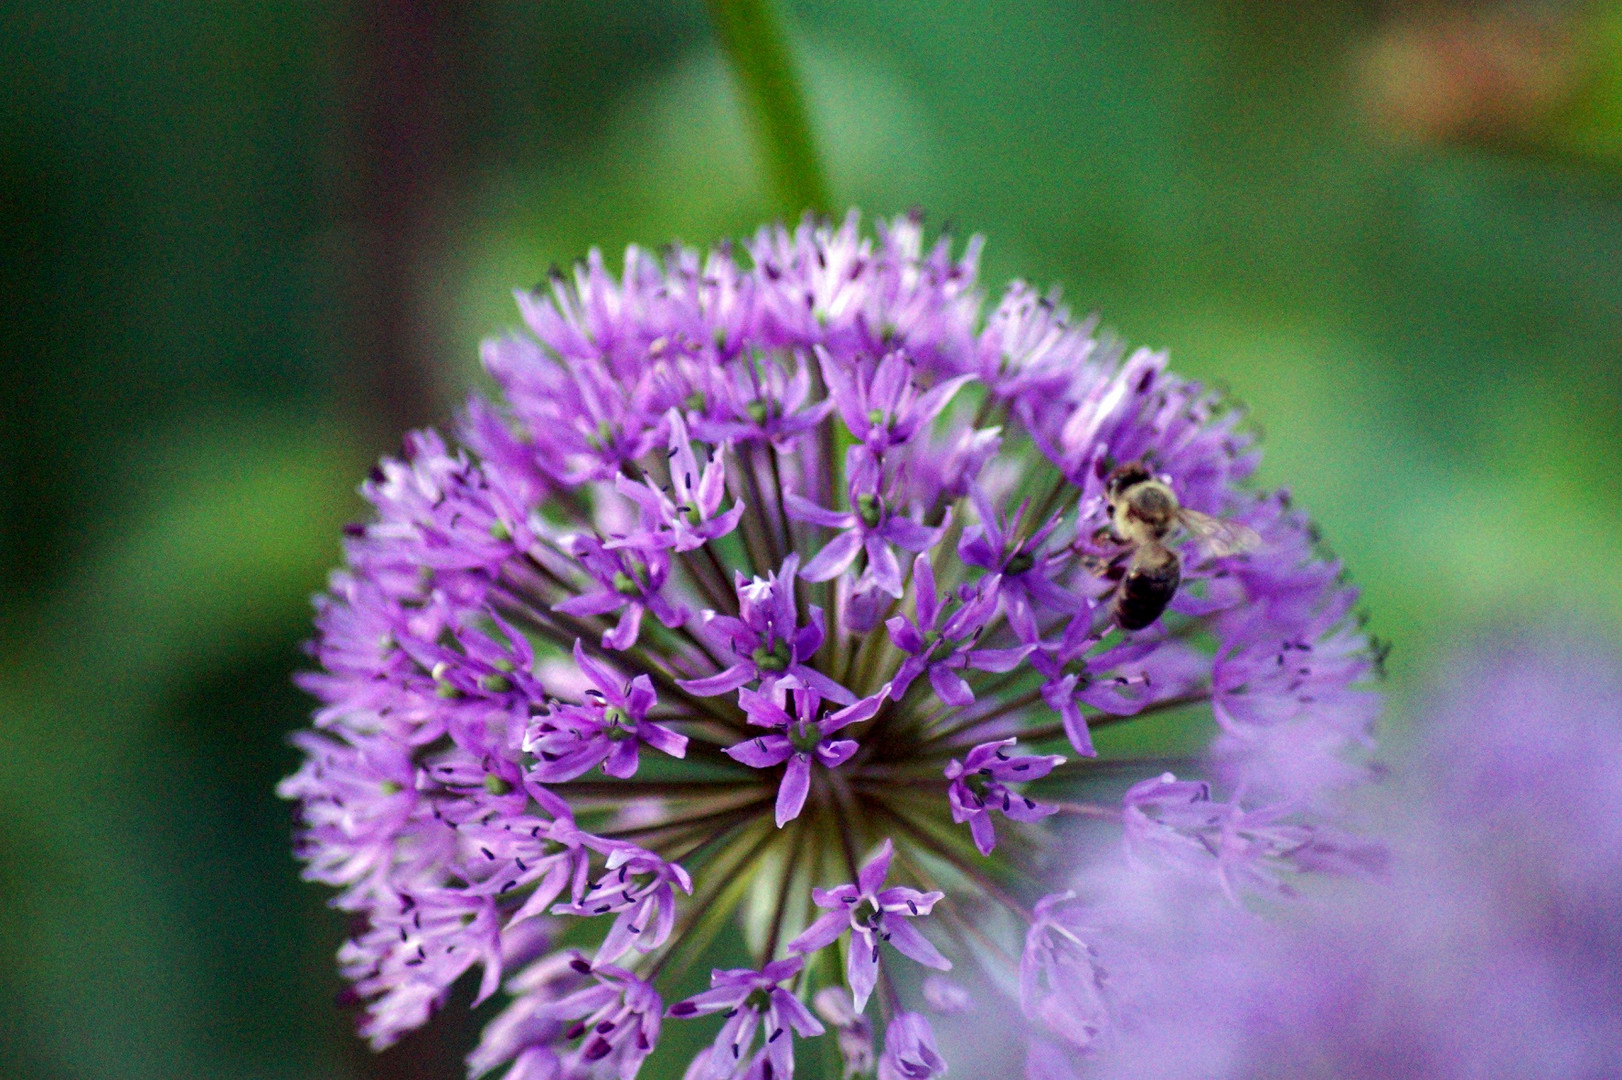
(683, 516)
(606, 729)
(885, 408)
(742, 443)
(644, 911)
(753, 1000)
(867, 530)
(629, 580)
(1025, 573)
(1178, 822)
(798, 739)
(938, 638)
(872, 915)
(979, 785)
(765, 640)
(610, 1016)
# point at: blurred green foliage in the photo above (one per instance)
(1430, 330)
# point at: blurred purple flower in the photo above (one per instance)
(1490, 946)
(909, 1050)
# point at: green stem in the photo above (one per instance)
(752, 36)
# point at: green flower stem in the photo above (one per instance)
(752, 35)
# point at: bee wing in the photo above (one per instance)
(1218, 536)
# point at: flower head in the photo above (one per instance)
(766, 558)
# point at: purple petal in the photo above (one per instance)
(720, 683)
(624, 635)
(904, 532)
(999, 660)
(551, 886)
(596, 672)
(822, 933)
(796, 1014)
(856, 712)
(823, 685)
(802, 509)
(974, 549)
(618, 940)
(908, 901)
(923, 584)
(792, 791)
(641, 697)
(862, 967)
(808, 638)
(1020, 616)
(761, 752)
(949, 685)
(1061, 696)
(832, 560)
(836, 752)
(663, 739)
(671, 615)
(909, 942)
(737, 635)
(932, 401)
(992, 528)
(910, 669)
(889, 380)
(780, 970)
(882, 565)
(877, 869)
(779, 1044)
(593, 604)
(664, 918)
(838, 898)
(713, 1000)
(1020, 808)
(762, 711)
(1051, 596)
(622, 760)
(905, 634)
(842, 393)
(984, 833)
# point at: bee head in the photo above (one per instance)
(1124, 477)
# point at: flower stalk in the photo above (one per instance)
(751, 35)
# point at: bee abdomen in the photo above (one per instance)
(1148, 587)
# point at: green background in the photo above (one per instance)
(243, 245)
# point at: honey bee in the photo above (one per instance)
(1142, 513)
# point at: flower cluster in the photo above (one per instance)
(779, 572)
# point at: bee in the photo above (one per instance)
(1143, 512)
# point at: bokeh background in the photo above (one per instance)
(243, 245)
